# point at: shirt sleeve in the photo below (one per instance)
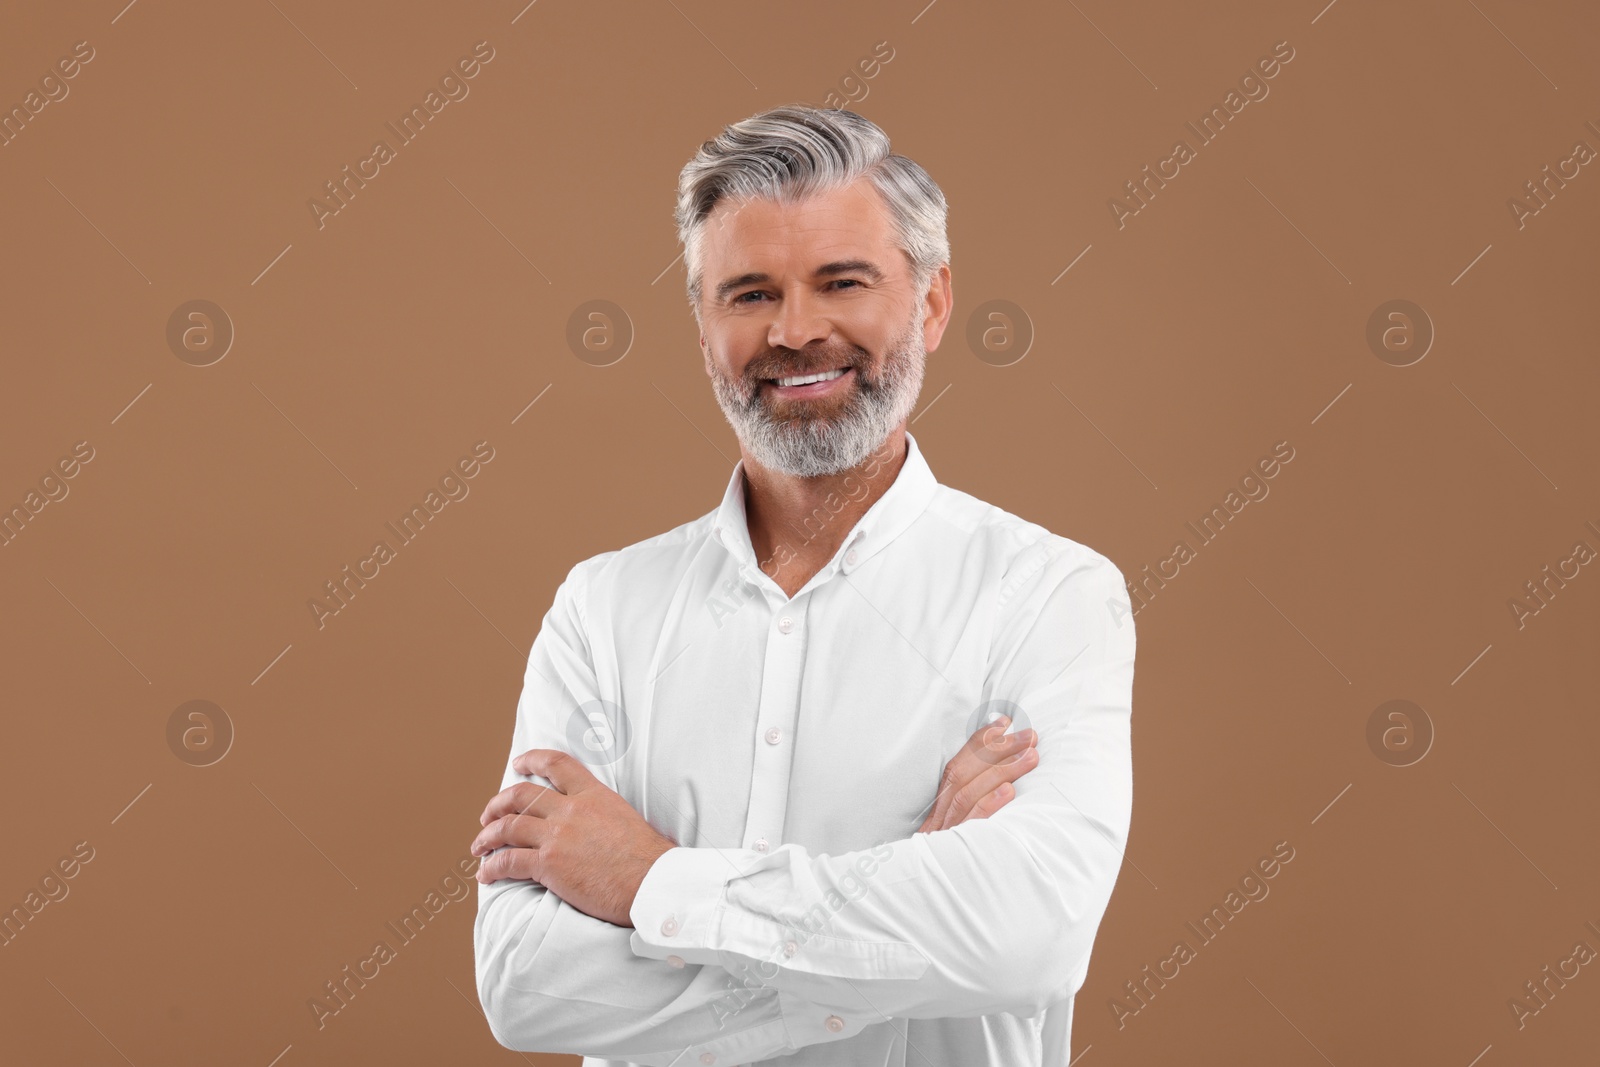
(993, 915)
(554, 979)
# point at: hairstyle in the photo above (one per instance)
(793, 151)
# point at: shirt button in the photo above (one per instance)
(760, 845)
(850, 557)
(774, 735)
(790, 948)
(708, 1057)
(785, 624)
(669, 927)
(834, 1023)
(676, 961)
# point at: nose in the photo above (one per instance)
(799, 321)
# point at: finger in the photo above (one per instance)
(565, 772)
(992, 801)
(523, 864)
(990, 746)
(520, 798)
(984, 735)
(521, 831)
(941, 801)
(968, 795)
(949, 782)
(969, 763)
(962, 768)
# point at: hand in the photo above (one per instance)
(977, 780)
(580, 839)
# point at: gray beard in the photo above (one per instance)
(809, 448)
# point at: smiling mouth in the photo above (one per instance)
(809, 379)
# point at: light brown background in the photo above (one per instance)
(371, 354)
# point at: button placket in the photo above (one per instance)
(775, 723)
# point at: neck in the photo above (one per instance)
(797, 524)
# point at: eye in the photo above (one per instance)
(740, 299)
(847, 281)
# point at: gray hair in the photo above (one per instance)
(792, 151)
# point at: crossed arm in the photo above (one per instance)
(753, 955)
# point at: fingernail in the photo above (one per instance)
(1004, 720)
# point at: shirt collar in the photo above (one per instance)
(905, 499)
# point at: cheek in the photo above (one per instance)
(732, 347)
(873, 326)
(880, 347)
(730, 373)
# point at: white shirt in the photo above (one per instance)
(792, 746)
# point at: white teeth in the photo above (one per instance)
(807, 379)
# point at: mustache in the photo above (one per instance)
(770, 366)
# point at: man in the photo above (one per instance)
(755, 809)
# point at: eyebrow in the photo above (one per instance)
(827, 270)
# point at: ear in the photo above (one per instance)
(939, 302)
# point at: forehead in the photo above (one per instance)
(844, 223)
